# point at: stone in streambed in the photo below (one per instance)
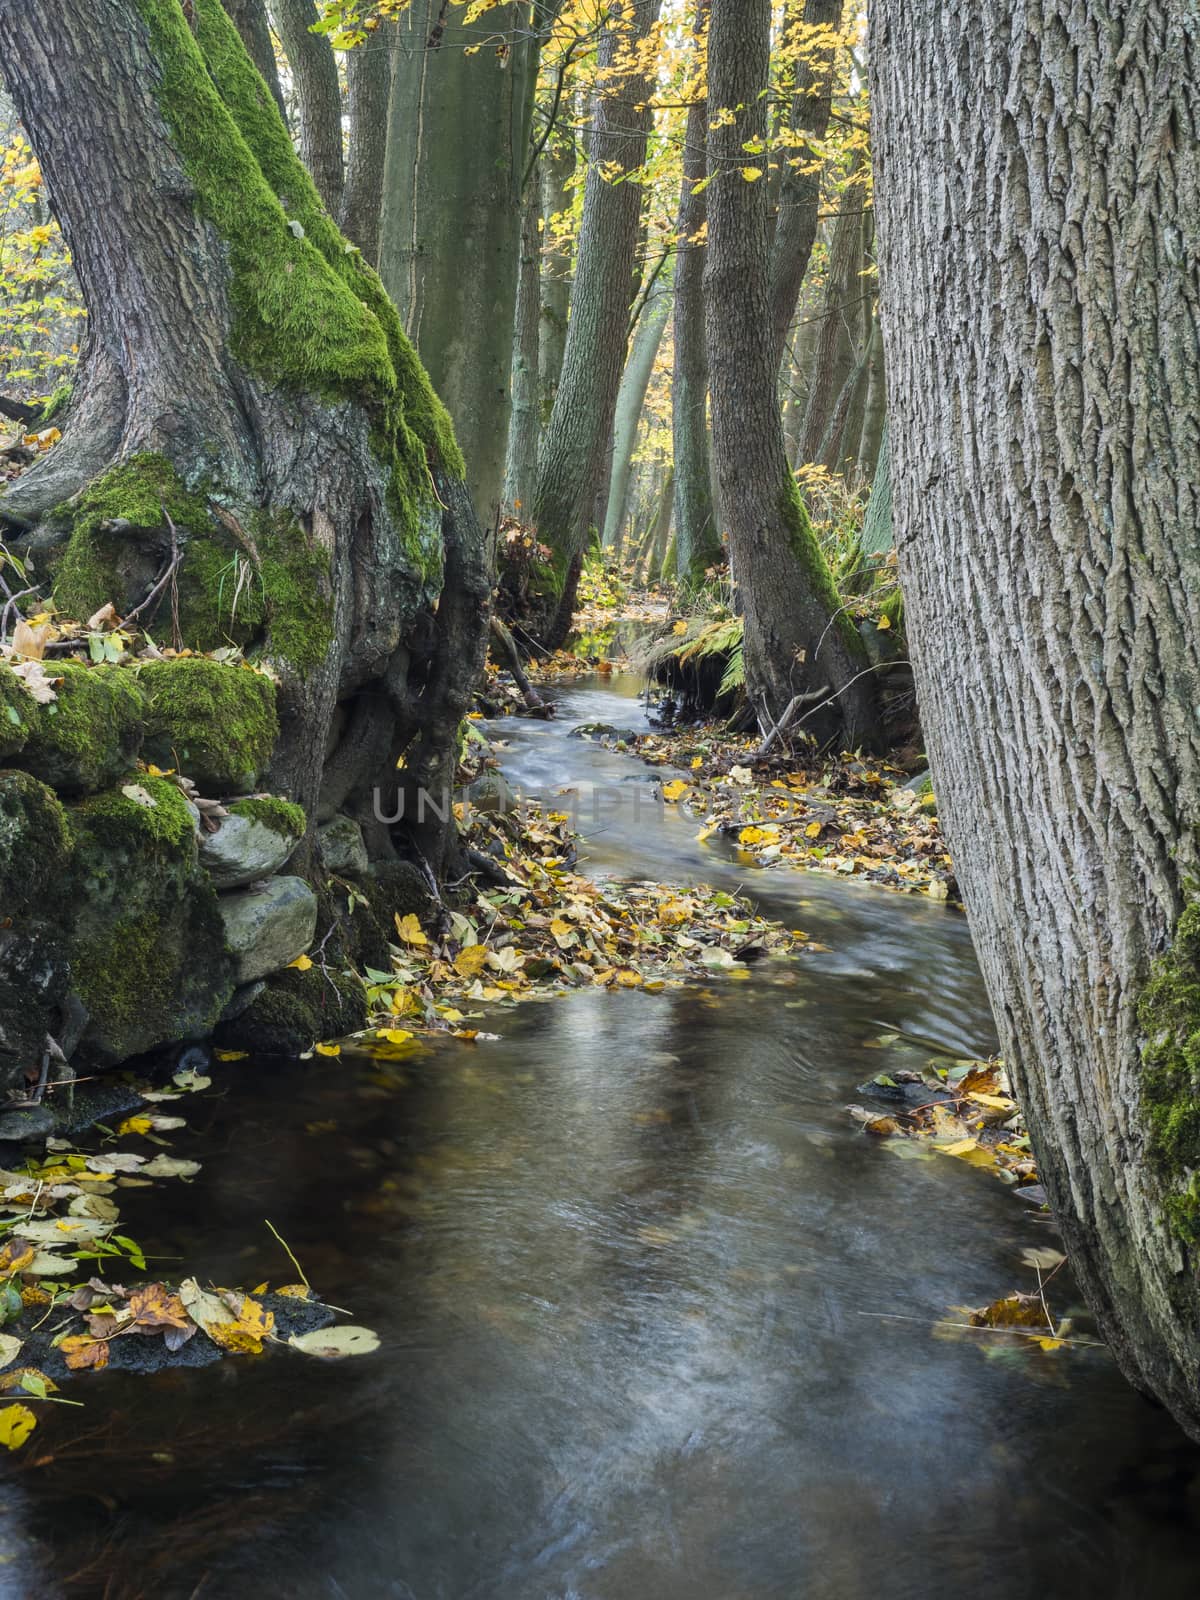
(268, 926)
(243, 850)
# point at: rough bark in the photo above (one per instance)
(252, 23)
(697, 537)
(800, 191)
(525, 426)
(1039, 190)
(260, 374)
(318, 96)
(557, 169)
(368, 91)
(572, 462)
(836, 352)
(631, 397)
(458, 142)
(796, 637)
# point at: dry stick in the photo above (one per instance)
(290, 1256)
(533, 701)
(794, 705)
(167, 576)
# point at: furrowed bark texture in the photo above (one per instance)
(458, 142)
(318, 95)
(697, 539)
(368, 91)
(1038, 182)
(800, 191)
(796, 640)
(574, 452)
(841, 321)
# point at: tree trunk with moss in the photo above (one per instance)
(246, 402)
(318, 96)
(798, 640)
(252, 22)
(1046, 478)
(458, 143)
(574, 452)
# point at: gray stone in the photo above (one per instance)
(342, 847)
(34, 1122)
(242, 850)
(491, 792)
(268, 926)
(243, 999)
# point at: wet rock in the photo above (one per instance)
(342, 847)
(242, 999)
(904, 1090)
(491, 792)
(33, 985)
(294, 1010)
(243, 850)
(268, 926)
(596, 730)
(26, 1122)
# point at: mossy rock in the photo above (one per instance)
(18, 714)
(294, 1011)
(281, 816)
(213, 721)
(91, 734)
(35, 842)
(147, 947)
(1169, 1015)
(33, 987)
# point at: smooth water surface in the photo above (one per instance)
(655, 1315)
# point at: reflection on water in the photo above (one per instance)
(643, 1293)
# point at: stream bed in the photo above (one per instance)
(655, 1315)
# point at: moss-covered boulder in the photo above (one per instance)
(214, 721)
(255, 840)
(35, 843)
(18, 714)
(147, 943)
(295, 1010)
(90, 734)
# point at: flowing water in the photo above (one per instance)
(656, 1317)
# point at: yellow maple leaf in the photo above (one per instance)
(468, 963)
(752, 174)
(135, 1125)
(393, 1035)
(697, 762)
(673, 790)
(409, 929)
(17, 1422)
(813, 829)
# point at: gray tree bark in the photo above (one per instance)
(875, 409)
(697, 535)
(252, 23)
(458, 142)
(368, 91)
(631, 397)
(572, 462)
(557, 168)
(1038, 184)
(835, 353)
(797, 639)
(318, 95)
(525, 426)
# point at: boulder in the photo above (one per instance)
(268, 926)
(342, 847)
(18, 714)
(90, 734)
(296, 1009)
(212, 720)
(35, 842)
(242, 850)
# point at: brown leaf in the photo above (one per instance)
(81, 1351)
(155, 1306)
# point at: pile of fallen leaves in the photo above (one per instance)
(964, 1109)
(540, 928)
(62, 1211)
(850, 816)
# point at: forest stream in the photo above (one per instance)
(656, 1317)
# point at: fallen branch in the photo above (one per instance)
(18, 411)
(794, 706)
(508, 646)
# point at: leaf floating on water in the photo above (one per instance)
(17, 1422)
(10, 1348)
(80, 1351)
(331, 1344)
(170, 1167)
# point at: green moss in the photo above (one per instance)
(814, 566)
(18, 713)
(121, 822)
(57, 402)
(296, 1010)
(91, 733)
(296, 588)
(221, 599)
(215, 722)
(1169, 1015)
(280, 815)
(35, 841)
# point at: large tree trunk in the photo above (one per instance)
(318, 96)
(252, 23)
(368, 91)
(697, 537)
(1039, 190)
(797, 638)
(631, 397)
(800, 191)
(242, 364)
(458, 142)
(573, 457)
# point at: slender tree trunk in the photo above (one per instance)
(369, 88)
(573, 457)
(877, 538)
(631, 398)
(458, 143)
(255, 377)
(661, 529)
(875, 409)
(557, 167)
(520, 472)
(797, 638)
(835, 353)
(697, 536)
(1046, 470)
(252, 23)
(800, 191)
(318, 94)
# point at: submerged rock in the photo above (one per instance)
(296, 1009)
(268, 926)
